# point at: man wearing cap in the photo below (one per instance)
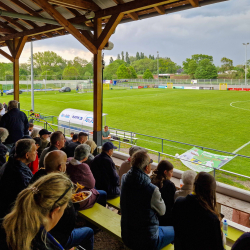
(104, 171)
(44, 135)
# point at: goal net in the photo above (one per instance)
(169, 85)
(223, 86)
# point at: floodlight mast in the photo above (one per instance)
(246, 64)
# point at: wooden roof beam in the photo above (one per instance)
(6, 31)
(194, 3)
(132, 15)
(6, 55)
(66, 24)
(76, 4)
(160, 9)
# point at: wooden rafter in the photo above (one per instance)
(132, 15)
(19, 47)
(3, 53)
(76, 4)
(66, 24)
(6, 31)
(108, 30)
(160, 9)
(194, 3)
(73, 11)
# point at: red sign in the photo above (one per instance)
(239, 89)
(140, 87)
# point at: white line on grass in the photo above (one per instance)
(231, 104)
(238, 149)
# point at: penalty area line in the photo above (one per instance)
(238, 149)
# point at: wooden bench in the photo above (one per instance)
(114, 203)
(125, 136)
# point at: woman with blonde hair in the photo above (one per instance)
(37, 210)
(93, 146)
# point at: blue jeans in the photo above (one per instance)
(83, 236)
(102, 199)
(166, 236)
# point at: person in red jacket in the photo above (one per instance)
(34, 165)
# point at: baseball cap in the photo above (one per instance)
(44, 132)
(108, 145)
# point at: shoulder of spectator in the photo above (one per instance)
(157, 202)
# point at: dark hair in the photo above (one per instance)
(205, 190)
(81, 134)
(74, 136)
(158, 174)
(23, 146)
(31, 125)
(55, 137)
(38, 141)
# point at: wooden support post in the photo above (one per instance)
(97, 133)
(16, 79)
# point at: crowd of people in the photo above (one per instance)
(39, 176)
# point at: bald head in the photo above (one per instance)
(55, 161)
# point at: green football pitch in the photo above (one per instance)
(209, 118)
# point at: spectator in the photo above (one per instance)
(5, 107)
(106, 134)
(3, 150)
(15, 174)
(16, 122)
(44, 135)
(1, 92)
(34, 165)
(140, 203)
(93, 146)
(35, 133)
(126, 165)
(57, 142)
(196, 219)
(188, 184)
(31, 125)
(104, 171)
(243, 242)
(2, 110)
(37, 210)
(79, 172)
(70, 149)
(161, 178)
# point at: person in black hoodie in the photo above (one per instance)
(161, 178)
(37, 210)
(15, 175)
(196, 218)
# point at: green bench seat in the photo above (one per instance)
(114, 203)
(233, 234)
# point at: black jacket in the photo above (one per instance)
(3, 151)
(195, 228)
(16, 122)
(70, 148)
(14, 177)
(106, 176)
(243, 243)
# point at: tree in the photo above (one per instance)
(206, 70)
(88, 68)
(148, 74)
(70, 73)
(132, 72)
(227, 64)
(111, 60)
(192, 66)
(122, 55)
(118, 57)
(142, 55)
(137, 56)
(122, 72)
(79, 64)
(109, 72)
(127, 58)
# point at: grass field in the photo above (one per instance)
(200, 117)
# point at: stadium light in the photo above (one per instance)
(246, 64)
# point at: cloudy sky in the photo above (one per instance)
(218, 30)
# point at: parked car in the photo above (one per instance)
(65, 89)
(11, 92)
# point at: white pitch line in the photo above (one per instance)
(238, 149)
(231, 104)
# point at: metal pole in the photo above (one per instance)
(158, 66)
(246, 64)
(32, 80)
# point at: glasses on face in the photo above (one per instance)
(151, 161)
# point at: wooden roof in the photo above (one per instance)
(67, 12)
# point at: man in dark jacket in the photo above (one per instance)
(15, 175)
(16, 122)
(140, 203)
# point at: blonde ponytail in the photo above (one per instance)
(32, 207)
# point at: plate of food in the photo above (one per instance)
(81, 196)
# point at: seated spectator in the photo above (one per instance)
(126, 165)
(80, 172)
(31, 125)
(44, 135)
(2, 110)
(68, 141)
(106, 134)
(105, 173)
(57, 141)
(36, 211)
(3, 150)
(140, 203)
(64, 231)
(35, 133)
(15, 175)
(188, 184)
(93, 146)
(242, 243)
(196, 219)
(70, 149)
(5, 107)
(16, 122)
(161, 178)
(34, 165)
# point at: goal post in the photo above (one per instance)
(223, 86)
(169, 85)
